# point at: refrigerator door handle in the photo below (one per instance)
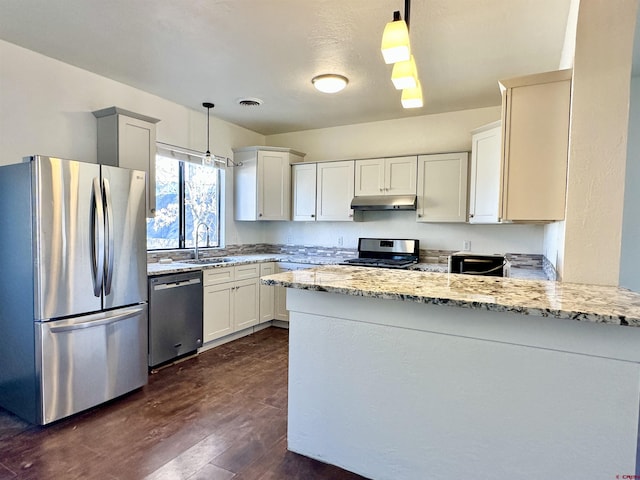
(109, 236)
(133, 312)
(97, 238)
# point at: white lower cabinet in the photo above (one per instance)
(245, 304)
(217, 311)
(267, 294)
(281, 312)
(230, 300)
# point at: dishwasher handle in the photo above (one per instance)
(184, 283)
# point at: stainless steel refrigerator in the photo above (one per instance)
(73, 289)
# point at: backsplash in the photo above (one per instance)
(520, 260)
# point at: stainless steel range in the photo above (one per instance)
(386, 252)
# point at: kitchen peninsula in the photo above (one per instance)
(412, 375)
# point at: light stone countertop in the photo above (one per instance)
(181, 266)
(591, 303)
(184, 266)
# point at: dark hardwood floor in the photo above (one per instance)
(220, 415)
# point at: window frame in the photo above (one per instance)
(184, 156)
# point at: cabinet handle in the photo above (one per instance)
(259, 214)
(471, 215)
(351, 215)
(419, 215)
(381, 189)
(313, 216)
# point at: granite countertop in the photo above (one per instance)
(178, 266)
(589, 303)
(230, 261)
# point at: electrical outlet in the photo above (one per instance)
(289, 239)
(340, 241)
(466, 245)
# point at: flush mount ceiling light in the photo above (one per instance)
(405, 74)
(395, 45)
(412, 97)
(208, 160)
(329, 83)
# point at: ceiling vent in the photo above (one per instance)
(250, 102)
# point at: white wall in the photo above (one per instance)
(630, 254)
(445, 132)
(46, 105)
(598, 142)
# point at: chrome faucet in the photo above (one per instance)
(197, 253)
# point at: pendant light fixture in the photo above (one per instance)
(395, 45)
(396, 49)
(412, 97)
(405, 74)
(208, 160)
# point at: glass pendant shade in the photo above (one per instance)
(405, 74)
(395, 42)
(412, 97)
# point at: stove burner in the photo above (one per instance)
(379, 262)
(385, 252)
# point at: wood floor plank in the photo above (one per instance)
(220, 415)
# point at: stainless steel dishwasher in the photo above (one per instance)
(175, 316)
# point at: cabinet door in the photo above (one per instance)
(442, 187)
(274, 186)
(536, 132)
(304, 192)
(217, 311)
(484, 188)
(267, 294)
(335, 191)
(127, 139)
(137, 151)
(369, 177)
(400, 176)
(245, 304)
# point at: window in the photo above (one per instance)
(187, 195)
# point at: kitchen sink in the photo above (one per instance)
(209, 261)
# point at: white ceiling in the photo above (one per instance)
(190, 51)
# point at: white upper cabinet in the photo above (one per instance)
(127, 139)
(484, 187)
(304, 192)
(263, 182)
(385, 176)
(334, 187)
(535, 136)
(442, 187)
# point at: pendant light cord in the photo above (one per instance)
(208, 106)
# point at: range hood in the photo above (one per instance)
(384, 202)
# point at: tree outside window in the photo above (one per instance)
(187, 194)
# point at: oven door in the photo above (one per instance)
(488, 265)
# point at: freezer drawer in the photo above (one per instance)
(88, 360)
(175, 316)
